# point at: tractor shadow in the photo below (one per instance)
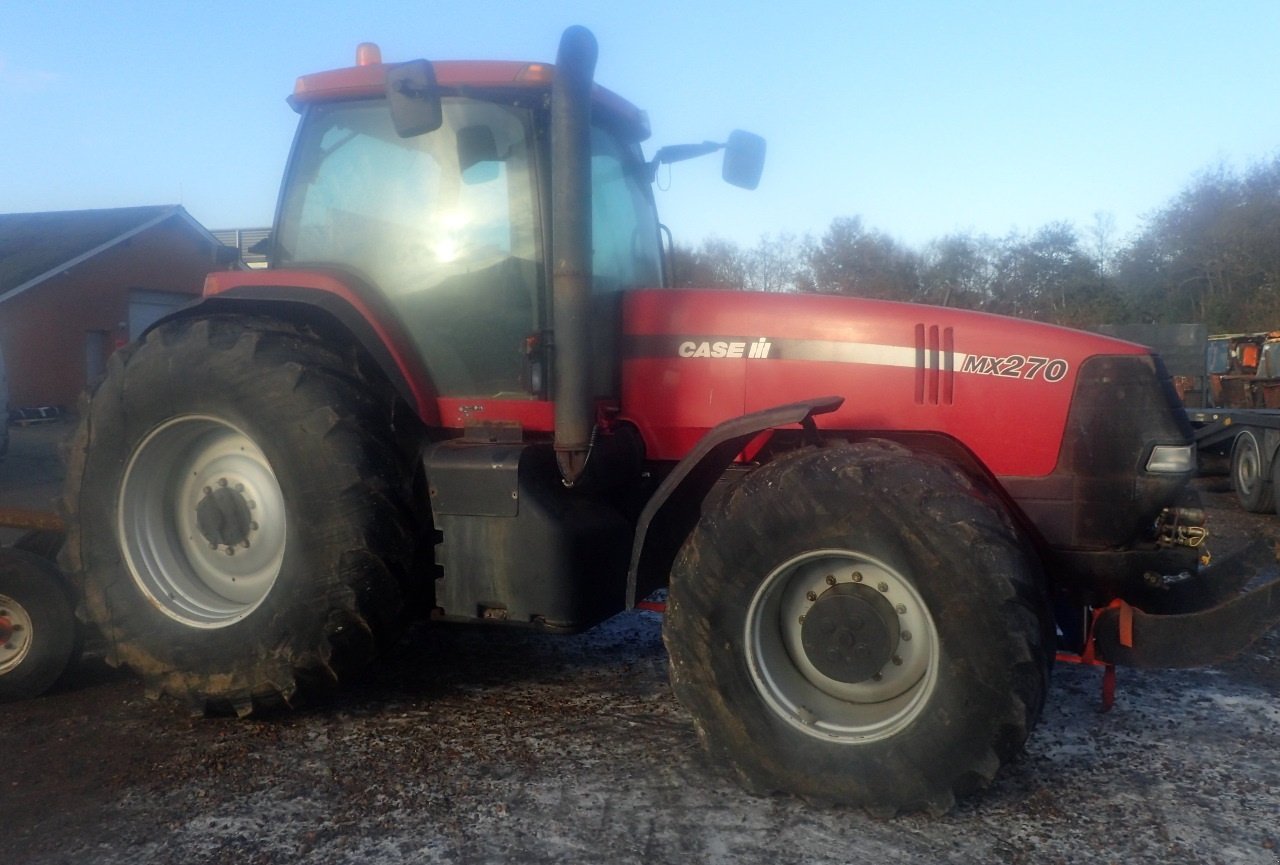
(446, 663)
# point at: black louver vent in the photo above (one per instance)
(935, 365)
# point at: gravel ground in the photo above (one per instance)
(474, 747)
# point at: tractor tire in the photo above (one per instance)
(1249, 479)
(239, 512)
(38, 630)
(860, 625)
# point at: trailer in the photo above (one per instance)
(1250, 439)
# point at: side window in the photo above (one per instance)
(1218, 357)
(624, 228)
(625, 251)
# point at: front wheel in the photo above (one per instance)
(860, 625)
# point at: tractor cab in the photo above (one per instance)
(450, 227)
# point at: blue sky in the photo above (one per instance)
(924, 118)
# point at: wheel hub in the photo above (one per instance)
(850, 633)
(15, 634)
(223, 516)
(841, 645)
(202, 521)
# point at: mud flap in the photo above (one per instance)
(1128, 637)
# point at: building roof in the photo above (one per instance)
(37, 246)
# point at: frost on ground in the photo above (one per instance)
(482, 747)
(494, 747)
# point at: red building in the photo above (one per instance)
(74, 285)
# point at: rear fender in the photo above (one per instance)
(675, 506)
(333, 304)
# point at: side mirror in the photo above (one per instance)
(414, 98)
(743, 159)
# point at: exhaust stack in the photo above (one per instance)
(571, 249)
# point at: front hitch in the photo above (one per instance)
(1126, 636)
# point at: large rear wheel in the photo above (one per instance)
(862, 625)
(241, 517)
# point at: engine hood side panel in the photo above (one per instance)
(1001, 386)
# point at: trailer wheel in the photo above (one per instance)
(38, 631)
(1252, 483)
(860, 625)
(240, 518)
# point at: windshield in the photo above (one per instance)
(1269, 363)
(1218, 357)
(443, 225)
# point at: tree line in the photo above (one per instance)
(1211, 255)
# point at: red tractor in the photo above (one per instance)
(461, 391)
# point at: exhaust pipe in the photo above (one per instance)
(571, 250)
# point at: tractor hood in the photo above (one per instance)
(1004, 386)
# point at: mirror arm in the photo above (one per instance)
(679, 153)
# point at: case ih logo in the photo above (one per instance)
(758, 349)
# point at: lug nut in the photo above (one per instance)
(239, 488)
(831, 579)
(884, 587)
(906, 636)
(222, 482)
(802, 620)
(857, 576)
(876, 677)
(902, 609)
(811, 596)
(897, 662)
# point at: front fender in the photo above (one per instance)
(674, 509)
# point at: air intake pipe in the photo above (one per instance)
(571, 249)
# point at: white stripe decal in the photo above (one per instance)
(869, 353)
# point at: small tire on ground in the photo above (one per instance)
(1249, 478)
(240, 520)
(38, 630)
(950, 607)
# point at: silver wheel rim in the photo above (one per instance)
(181, 477)
(792, 685)
(16, 633)
(1248, 465)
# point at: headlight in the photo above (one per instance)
(1172, 459)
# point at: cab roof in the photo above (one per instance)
(368, 79)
